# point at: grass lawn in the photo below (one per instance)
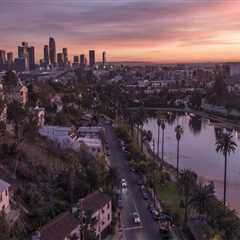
(170, 199)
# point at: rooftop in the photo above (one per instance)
(95, 201)
(59, 227)
(3, 185)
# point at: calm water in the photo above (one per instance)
(197, 152)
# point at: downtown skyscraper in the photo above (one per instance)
(91, 57)
(52, 51)
(65, 56)
(46, 56)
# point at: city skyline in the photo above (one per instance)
(157, 31)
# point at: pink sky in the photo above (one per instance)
(129, 30)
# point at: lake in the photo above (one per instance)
(198, 151)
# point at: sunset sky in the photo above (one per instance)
(129, 30)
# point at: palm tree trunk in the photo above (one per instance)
(158, 141)
(185, 214)
(177, 158)
(225, 180)
(72, 173)
(137, 134)
(162, 146)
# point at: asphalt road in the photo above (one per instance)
(132, 197)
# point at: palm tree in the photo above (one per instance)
(202, 196)
(163, 128)
(73, 164)
(179, 133)
(158, 139)
(225, 145)
(187, 183)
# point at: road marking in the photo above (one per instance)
(132, 228)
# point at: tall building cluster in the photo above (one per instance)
(25, 59)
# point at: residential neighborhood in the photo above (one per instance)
(119, 120)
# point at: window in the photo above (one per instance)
(6, 192)
(108, 216)
(0, 197)
(108, 205)
(102, 210)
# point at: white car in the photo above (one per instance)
(136, 218)
(123, 183)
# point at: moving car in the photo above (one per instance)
(123, 183)
(136, 218)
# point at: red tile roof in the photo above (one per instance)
(59, 227)
(94, 201)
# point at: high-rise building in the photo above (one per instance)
(65, 56)
(31, 55)
(82, 59)
(23, 55)
(104, 58)
(60, 59)
(10, 60)
(46, 56)
(52, 51)
(2, 57)
(75, 60)
(91, 57)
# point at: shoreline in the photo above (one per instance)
(212, 116)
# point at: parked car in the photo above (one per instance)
(136, 218)
(120, 203)
(140, 182)
(151, 207)
(144, 193)
(156, 214)
(164, 229)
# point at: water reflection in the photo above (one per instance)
(198, 151)
(195, 124)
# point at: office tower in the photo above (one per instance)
(46, 56)
(23, 55)
(104, 58)
(82, 59)
(31, 56)
(91, 57)
(2, 57)
(60, 59)
(52, 51)
(65, 56)
(75, 60)
(2, 60)
(10, 60)
(20, 64)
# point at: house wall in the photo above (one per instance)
(105, 218)
(4, 201)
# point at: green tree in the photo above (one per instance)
(73, 164)
(158, 136)
(10, 79)
(187, 182)
(226, 146)
(17, 114)
(202, 196)
(179, 133)
(163, 128)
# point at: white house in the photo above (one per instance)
(63, 136)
